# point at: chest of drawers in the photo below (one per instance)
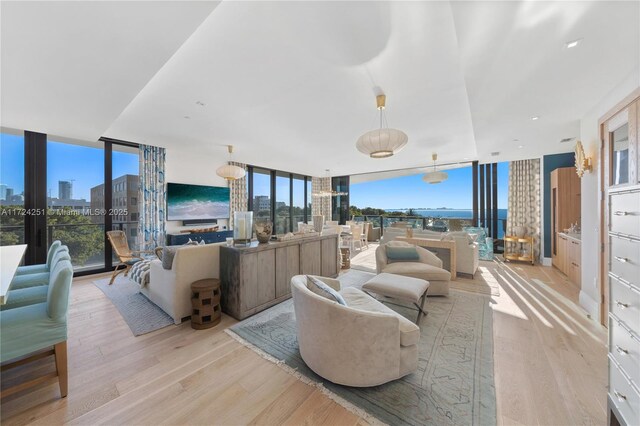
(624, 304)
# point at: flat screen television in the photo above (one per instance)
(197, 202)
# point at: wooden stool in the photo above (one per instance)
(205, 302)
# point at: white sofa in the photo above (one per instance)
(362, 344)
(170, 289)
(428, 268)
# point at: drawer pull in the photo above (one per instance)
(621, 259)
(622, 305)
(621, 351)
(621, 397)
(620, 213)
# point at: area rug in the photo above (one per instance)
(141, 315)
(454, 384)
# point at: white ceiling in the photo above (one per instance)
(292, 84)
(70, 68)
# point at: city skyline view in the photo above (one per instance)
(87, 171)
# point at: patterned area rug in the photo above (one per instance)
(141, 315)
(454, 384)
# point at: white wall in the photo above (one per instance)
(589, 135)
(194, 167)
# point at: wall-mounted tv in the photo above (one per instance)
(197, 202)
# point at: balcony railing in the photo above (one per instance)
(85, 240)
(438, 224)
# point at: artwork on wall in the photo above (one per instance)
(197, 202)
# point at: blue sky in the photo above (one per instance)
(85, 165)
(412, 191)
(64, 162)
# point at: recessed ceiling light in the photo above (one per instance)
(200, 103)
(495, 153)
(535, 117)
(465, 158)
(186, 117)
(516, 140)
(521, 146)
(573, 43)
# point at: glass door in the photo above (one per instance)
(75, 173)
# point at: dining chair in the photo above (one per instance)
(45, 267)
(126, 256)
(30, 330)
(365, 234)
(331, 222)
(356, 236)
(23, 296)
(39, 278)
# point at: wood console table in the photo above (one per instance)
(439, 244)
(258, 276)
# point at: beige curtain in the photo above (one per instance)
(524, 200)
(238, 193)
(321, 205)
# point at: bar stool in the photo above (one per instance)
(206, 311)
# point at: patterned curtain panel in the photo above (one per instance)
(152, 196)
(238, 190)
(321, 205)
(524, 200)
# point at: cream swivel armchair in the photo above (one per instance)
(362, 344)
(428, 268)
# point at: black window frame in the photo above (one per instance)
(35, 194)
(272, 192)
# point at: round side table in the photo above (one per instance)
(205, 304)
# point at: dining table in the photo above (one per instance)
(10, 258)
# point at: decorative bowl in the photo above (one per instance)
(263, 231)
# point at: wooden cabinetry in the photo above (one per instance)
(565, 208)
(568, 257)
(259, 276)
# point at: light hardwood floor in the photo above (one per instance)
(550, 366)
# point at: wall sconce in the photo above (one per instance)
(583, 163)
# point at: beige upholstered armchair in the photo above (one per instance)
(428, 268)
(362, 344)
(467, 254)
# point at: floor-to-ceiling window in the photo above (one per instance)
(52, 188)
(74, 169)
(126, 209)
(297, 205)
(283, 203)
(279, 196)
(11, 189)
(261, 193)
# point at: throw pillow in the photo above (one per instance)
(402, 254)
(321, 289)
(169, 252)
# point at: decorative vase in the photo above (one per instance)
(263, 229)
(242, 228)
(318, 223)
(520, 231)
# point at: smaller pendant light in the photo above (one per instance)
(230, 172)
(435, 176)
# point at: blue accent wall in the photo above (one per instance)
(550, 163)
